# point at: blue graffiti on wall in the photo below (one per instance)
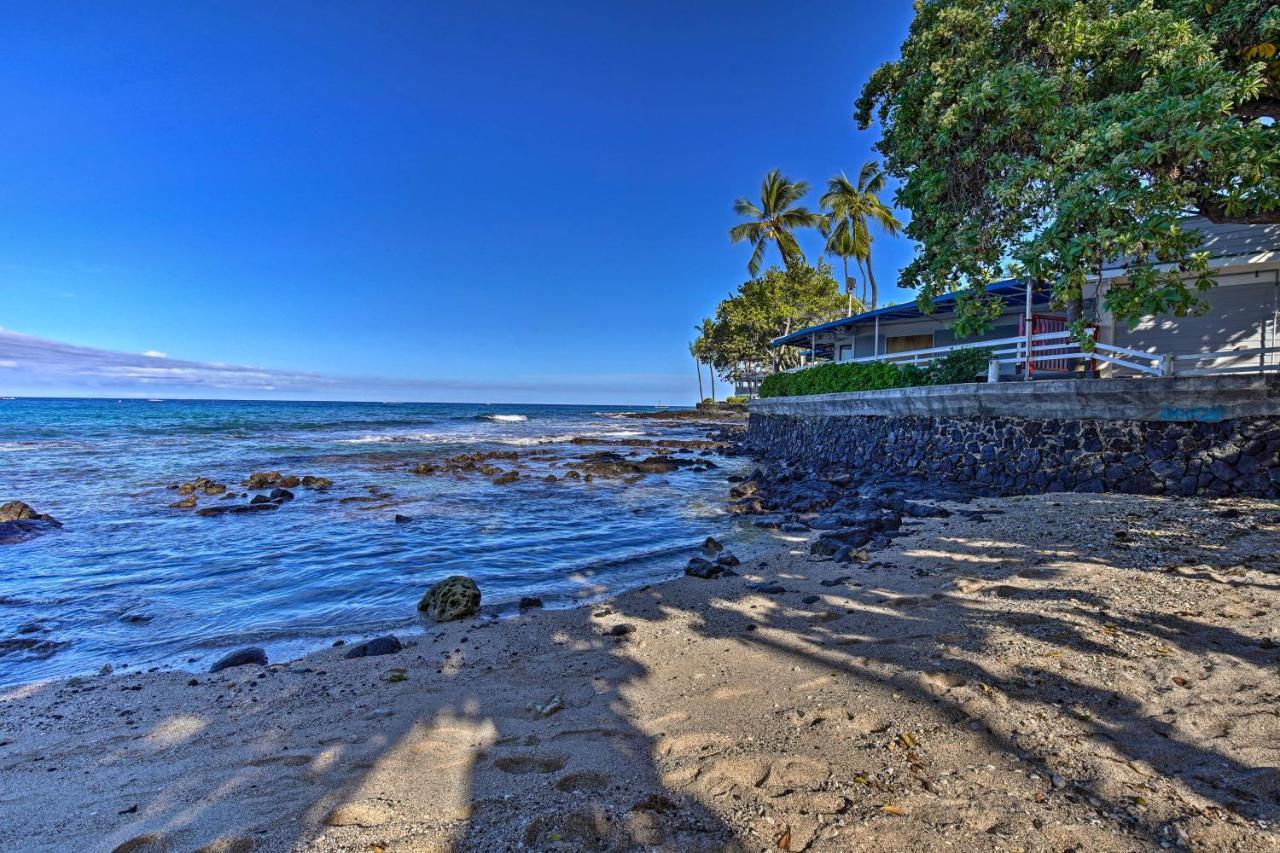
(1195, 413)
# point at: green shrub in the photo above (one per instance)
(960, 365)
(736, 400)
(963, 365)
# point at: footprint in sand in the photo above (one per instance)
(533, 762)
(587, 780)
(701, 744)
(943, 681)
(280, 760)
(665, 720)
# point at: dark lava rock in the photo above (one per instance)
(769, 588)
(252, 656)
(530, 601)
(700, 567)
(454, 597)
(794, 527)
(825, 548)
(834, 581)
(281, 495)
(727, 559)
(260, 499)
(711, 546)
(402, 519)
(18, 521)
(811, 599)
(622, 630)
(262, 479)
(18, 511)
(311, 482)
(387, 645)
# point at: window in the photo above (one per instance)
(907, 343)
(846, 352)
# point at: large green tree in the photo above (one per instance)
(774, 220)
(854, 208)
(1048, 137)
(763, 308)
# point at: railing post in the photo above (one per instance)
(1166, 364)
(993, 370)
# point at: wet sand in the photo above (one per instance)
(1095, 672)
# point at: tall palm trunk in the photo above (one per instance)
(848, 285)
(712, 373)
(698, 365)
(871, 280)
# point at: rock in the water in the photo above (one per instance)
(453, 598)
(311, 482)
(507, 478)
(402, 519)
(186, 503)
(18, 511)
(262, 479)
(252, 656)
(387, 645)
(18, 521)
(281, 495)
(530, 601)
(712, 546)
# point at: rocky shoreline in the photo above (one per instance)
(913, 664)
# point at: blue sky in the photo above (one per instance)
(475, 201)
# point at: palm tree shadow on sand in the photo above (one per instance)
(965, 683)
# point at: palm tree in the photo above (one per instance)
(840, 243)
(697, 361)
(775, 219)
(853, 208)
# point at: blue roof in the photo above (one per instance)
(1011, 290)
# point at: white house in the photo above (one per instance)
(1239, 333)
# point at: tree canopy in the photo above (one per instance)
(766, 307)
(1048, 137)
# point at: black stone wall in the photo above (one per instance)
(1023, 455)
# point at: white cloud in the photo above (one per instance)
(154, 353)
(31, 365)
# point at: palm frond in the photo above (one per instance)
(753, 231)
(871, 177)
(745, 207)
(757, 258)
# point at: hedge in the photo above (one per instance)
(962, 365)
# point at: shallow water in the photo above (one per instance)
(129, 581)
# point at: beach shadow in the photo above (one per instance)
(622, 726)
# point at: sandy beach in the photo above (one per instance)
(1048, 673)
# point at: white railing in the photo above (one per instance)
(1059, 346)
(1262, 354)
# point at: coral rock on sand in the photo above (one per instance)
(453, 598)
(252, 656)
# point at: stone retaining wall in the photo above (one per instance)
(1018, 455)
